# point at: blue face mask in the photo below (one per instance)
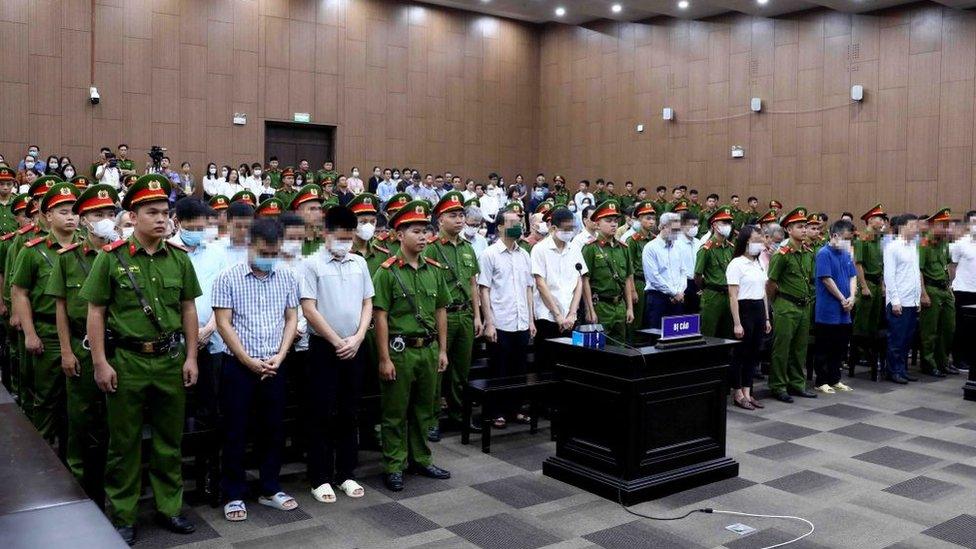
(192, 238)
(265, 264)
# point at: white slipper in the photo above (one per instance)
(278, 501)
(324, 493)
(350, 488)
(235, 506)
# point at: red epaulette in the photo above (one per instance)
(708, 245)
(380, 238)
(434, 263)
(637, 236)
(34, 242)
(389, 262)
(177, 246)
(26, 228)
(381, 248)
(114, 245)
(785, 250)
(8, 236)
(69, 247)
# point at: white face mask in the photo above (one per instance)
(223, 173)
(565, 236)
(213, 171)
(340, 248)
(355, 173)
(257, 173)
(127, 231)
(636, 225)
(724, 230)
(972, 229)
(68, 174)
(366, 231)
(29, 165)
(210, 234)
(470, 231)
(844, 245)
(692, 232)
(542, 228)
(754, 249)
(291, 248)
(53, 165)
(105, 229)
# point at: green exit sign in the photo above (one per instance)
(303, 117)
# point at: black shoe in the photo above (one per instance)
(897, 379)
(805, 393)
(393, 481)
(474, 427)
(951, 370)
(783, 397)
(934, 373)
(128, 534)
(910, 378)
(434, 434)
(429, 471)
(178, 524)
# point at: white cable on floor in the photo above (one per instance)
(794, 540)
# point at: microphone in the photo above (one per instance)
(579, 268)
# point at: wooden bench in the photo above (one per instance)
(492, 393)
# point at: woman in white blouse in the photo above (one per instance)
(212, 182)
(233, 185)
(750, 313)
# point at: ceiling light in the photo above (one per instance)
(683, 4)
(762, 2)
(560, 11)
(616, 8)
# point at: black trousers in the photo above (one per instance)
(745, 356)
(330, 398)
(692, 303)
(546, 329)
(241, 393)
(507, 357)
(962, 354)
(830, 351)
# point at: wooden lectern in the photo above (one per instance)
(635, 424)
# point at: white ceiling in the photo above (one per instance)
(583, 11)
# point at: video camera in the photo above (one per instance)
(156, 154)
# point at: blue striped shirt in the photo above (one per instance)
(258, 306)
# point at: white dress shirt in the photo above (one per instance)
(963, 252)
(902, 276)
(507, 273)
(338, 287)
(213, 185)
(580, 196)
(489, 207)
(689, 253)
(664, 267)
(558, 269)
(582, 239)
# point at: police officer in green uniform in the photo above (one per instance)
(393, 205)
(273, 172)
(9, 367)
(711, 206)
(710, 264)
(410, 316)
(608, 287)
(287, 192)
(560, 194)
(271, 207)
(7, 181)
(937, 320)
(815, 232)
(645, 214)
(628, 199)
(87, 431)
(870, 300)
(142, 290)
(661, 204)
(36, 311)
(327, 172)
(460, 271)
(308, 204)
(365, 242)
(790, 287)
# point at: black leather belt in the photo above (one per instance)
(613, 300)
(873, 279)
(410, 342)
(457, 307)
(717, 288)
(940, 284)
(156, 347)
(798, 301)
(45, 318)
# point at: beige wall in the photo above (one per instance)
(909, 144)
(405, 84)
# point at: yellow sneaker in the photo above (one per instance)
(825, 389)
(841, 387)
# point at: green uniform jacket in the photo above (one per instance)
(31, 271)
(286, 196)
(609, 264)
(661, 206)
(933, 259)
(275, 176)
(627, 201)
(13, 248)
(426, 287)
(867, 254)
(792, 270)
(310, 246)
(460, 264)
(8, 223)
(635, 245)
(703, 226)
(712, 260)
(71, 268)
(166, 278)
(322, 174)
(375, 254)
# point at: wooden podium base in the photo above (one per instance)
(632, 492)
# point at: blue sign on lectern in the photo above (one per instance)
(681, 326)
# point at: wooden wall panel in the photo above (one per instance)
(909, 144)
(405, 83)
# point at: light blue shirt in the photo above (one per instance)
(385, 190)
(208, 260)
(665, 266)
(479, 243)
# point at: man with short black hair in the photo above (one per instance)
(903, 293)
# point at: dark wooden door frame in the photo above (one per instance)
(292, 141)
